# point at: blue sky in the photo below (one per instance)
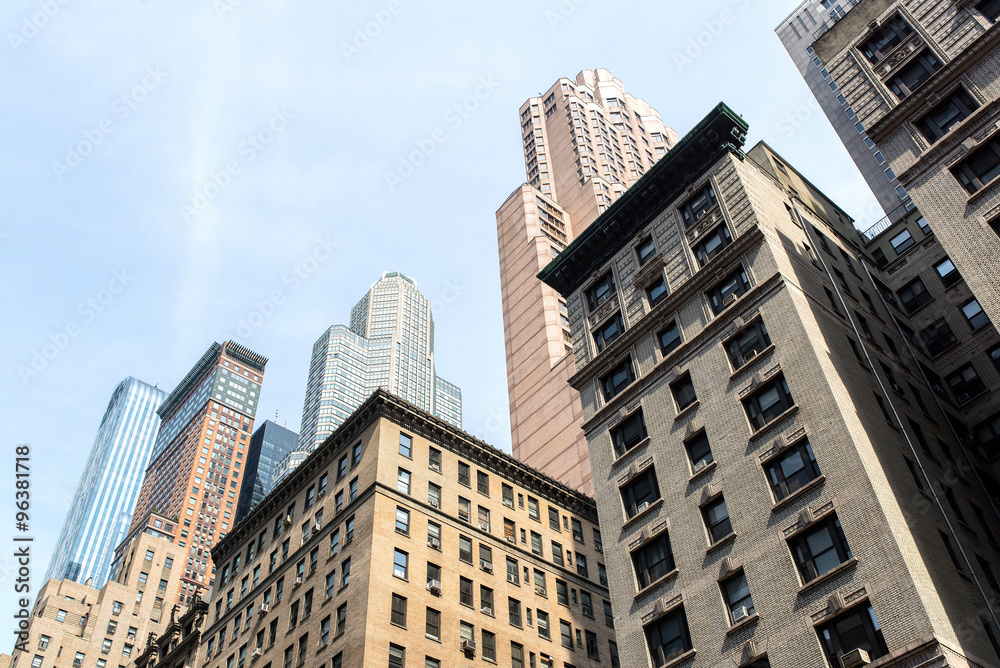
(177, 173)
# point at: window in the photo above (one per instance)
(434, 459)
(512, 572)
(697, 206)
(792, 470)
(908, 78)
(581, 565)
(399, 563)
(600, 291)
(820, 550)
(403, 481)
(991, 10)
(856, 629)
(768, 402)
(434, 494)
(974, 314)
(483, 483)
(965, 383)
(884, 38)
(731, 287)
(902, 241)
(608, 332)
(717, 521)
(668, 638)
(645, 250)
(566, 633)
(669, 339)
(627, 434)
(402, 521)
(699, 451)
(653, 560)
(485, 600)
(946, 271)
(618, 379)
(542, 621)
(405, 445)
(640, 492)
(489, 646)
(937, 337)
(913, 295)
(562, 593)
(397, 656)
(398, 614)
(342, 467)
(591, 644)
(683, 391)
(947, 114)
(465, 592)
(464, 474)
(516, 655)
(341, 619)
(356, 455)
(747, 344)
(60, 615)
(536, 544)
(433, 625)
(980, 168)
(465, 549)
(712, 244)
(657, 291)
(507, 494)
(514, 611)
(736, 593)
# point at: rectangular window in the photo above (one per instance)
(640, 492)
(397, 656)
(402, 521)
(536, 544)
(465, 592)
(937, 337)
(902, 241)
(626, 435)
(668, 638)
(908, 78)
(433, 626)
(717, 521)
(512, 572)
(974, 314)
(699, 451)
(507, 494)
(608, 331)
(820, 550)
(653, 560)
(747, 344)
(464, 474)
(855, 629)
(514, 611)
(533, 508)
(434, 495)
(768, 402)
(669, 339)
(400, 561)
(645, 250)
(980, 168)
(600, 291)
(398, 615)
(947, 273)
(482, 483)
(736, 593)
(712, 244)
(792, 470)
(727, 291)
(566, 633)
(702, 202)
(947, 114)
(434, 459)
(657, 291)
(965, 383)
(683, 391)
(465, 549)
(885, 38)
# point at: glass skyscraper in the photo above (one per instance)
(268, 446)
(389, 344)
(101, 508)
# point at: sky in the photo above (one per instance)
(178, 173)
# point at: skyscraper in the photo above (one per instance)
(796, 33)
(199, 460)
(268, 446)
(390, 344)
(786, 485)
(101, 508)
(585, 142)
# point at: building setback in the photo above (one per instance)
(101, 508)
(269, 444)
(198, 463)
(73, 624)
(778, 493)
(402, 540)
(585, 142)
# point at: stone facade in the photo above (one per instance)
(420, 517)
(767, 492)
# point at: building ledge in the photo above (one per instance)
(802, 491)
(742, 623)
(829, 575)
(728, 538)
(635, 518)
(656, 583)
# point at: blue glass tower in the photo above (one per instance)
(101, 508)
(268, 446)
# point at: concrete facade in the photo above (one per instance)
(696, 422)
(477, 529)
(585, 142)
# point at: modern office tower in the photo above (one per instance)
(922, 80)
(585, 143)
(269, 444)
(199, 461)
(101, 508)
(405, 541)
(390, 344)
(73, 624)
(783, 483)
(797, 33)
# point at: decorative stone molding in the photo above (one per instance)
(810, 516)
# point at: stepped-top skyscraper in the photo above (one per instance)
(101, 508)
(585, 142)
(389, 344)
(199, 462)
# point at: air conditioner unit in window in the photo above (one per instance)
(540, 591)
(486, 565)
(321, 494)
(435, 503)
(511, 539)
(700, 464)
(434, 587)
(288, 520)
(298, 581)
(468, 645)
(434, 543)
(642, 506)
(487, 610)
(730, 299)
(264, 608)
(256, 654)
(855, 658)
(599, 548)
(317, 527)
(962, 398)
(485, 526)
(740, 613)
(508, 503)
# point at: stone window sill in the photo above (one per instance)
(812, 484)
(828, 575)
(731, 536)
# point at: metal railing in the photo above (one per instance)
(888, 221)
